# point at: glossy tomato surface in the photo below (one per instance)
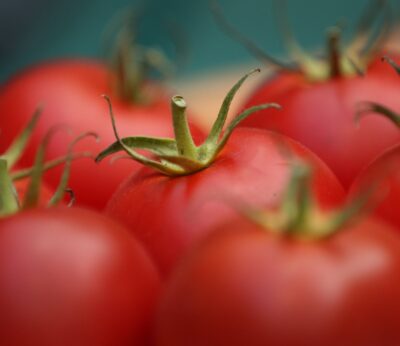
(382, 179)
(73, 277)
(170, 214)
(70, 93)
(247, 286)
(322, 115)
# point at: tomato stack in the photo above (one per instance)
(280, 227)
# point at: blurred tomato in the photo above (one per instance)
(73, 277)
(321, 115)
(245, 285)
(70, 92)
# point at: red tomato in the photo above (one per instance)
(247, 286)
(170, 214)
(73, 277)
(70, 92)
(322, 115)
(382, 175)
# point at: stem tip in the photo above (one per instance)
(179, 101)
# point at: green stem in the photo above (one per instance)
(62, 186)
(183, 137)
(299, 215)
(17, 147)
(334, 52)
(26, 172)
(8, 198)
(129, 76)
(127, 59)
(296, 201)
(392, 63)
(133, 63)
(32, 195)
(251, 46)
(181, 156)
(365, 108)
(162, 167)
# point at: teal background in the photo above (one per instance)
(43, 29)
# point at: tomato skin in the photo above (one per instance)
(321, 116)
(170, 214)
(383, 175)
(70, 92)
(246, 286)
(73, 277)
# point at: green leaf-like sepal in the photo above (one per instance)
(163, 146)
(9, 201)
(8, 197)
(133, 63)
(392, 63)
(344, 60)
(63, 184)
(365, 108)
(181, 156)
(300, 215)
(17, 147)
(32, 194)
(27, 172)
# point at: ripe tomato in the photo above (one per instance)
(70, 93)
(382, 175)
(169, 214)
(321, 115)
(73, 277)
(247, 286)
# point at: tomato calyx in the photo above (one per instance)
(299, 214)
(133, 63)
(181, 156)
(9, 200)
(366, 108)
(339, 60)
(392, 63)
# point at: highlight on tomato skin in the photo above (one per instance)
(245, 285)
(70, 276)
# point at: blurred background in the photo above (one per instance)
(33, 30)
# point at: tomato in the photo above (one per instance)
(73, 277)
(169, 214)
(70, 93)
(247, 286)
(382, 179)
(322, 115)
